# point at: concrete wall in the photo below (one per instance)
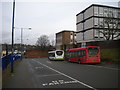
(79, 18)
(88, 24)
(79, 27)
(88, 35)
(79, 37)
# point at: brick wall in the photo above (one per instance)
(36, 53)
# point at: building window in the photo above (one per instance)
(95, 11)
(74, 34)
(105, 24)
(118, 14)
(101, 22)
(119, 24)
(100, 11)
(110, 12)
(101, 34)
(96, 33)
(71, 40)
(114, 13)
(95, 22)
(105, 12)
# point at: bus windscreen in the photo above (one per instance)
(93, 51)
(59, 53)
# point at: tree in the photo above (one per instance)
(43, 41)
(53, 42)
(110, 26)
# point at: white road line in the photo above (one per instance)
(103, 67)
(67, 76)
(48, 62)
(49, 75)
(38, 67)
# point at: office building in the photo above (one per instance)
(91, 23)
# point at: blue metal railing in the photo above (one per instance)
(6, 60)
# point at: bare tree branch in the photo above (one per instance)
(111, 27)
(43, 41)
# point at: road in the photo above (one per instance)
(43, 73)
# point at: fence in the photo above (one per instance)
(6, 60)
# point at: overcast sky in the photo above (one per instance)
(43, 16)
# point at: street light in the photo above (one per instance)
(22, 38)
(13, 17)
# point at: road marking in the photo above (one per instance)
(58, 82)
(48, 62)
(49, 75)
(38, 67)
(67, 76)
(104, 67)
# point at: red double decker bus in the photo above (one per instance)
(89, 54)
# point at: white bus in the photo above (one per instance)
(56, 55)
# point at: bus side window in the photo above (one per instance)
(78, 53)
(84, 53)
(70, 54)
(73, 53)
(81, 53)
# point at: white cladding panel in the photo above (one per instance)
(79, 37)
(80, 27)
(88, 23)
(79, 17)
(88, 35)
(88, 13)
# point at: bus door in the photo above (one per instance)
(82, 56)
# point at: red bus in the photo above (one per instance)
(89, 54)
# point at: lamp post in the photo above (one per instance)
(22, 39)
(12, 58)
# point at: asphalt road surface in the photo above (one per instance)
(43, 73)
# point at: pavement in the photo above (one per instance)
(43, 73)
(0, 78)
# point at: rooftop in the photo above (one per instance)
(65, 31)
(99, 6)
